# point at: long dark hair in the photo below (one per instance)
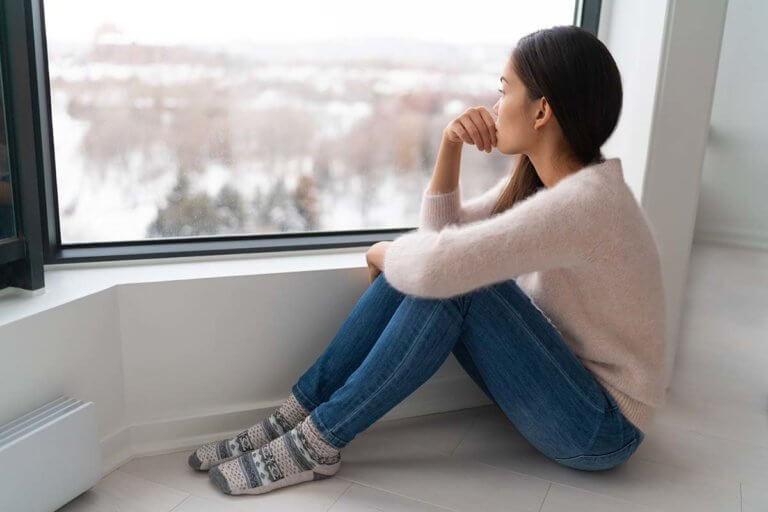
(577, 74)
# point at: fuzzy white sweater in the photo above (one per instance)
(583, 250)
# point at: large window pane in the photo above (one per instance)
(178, 118)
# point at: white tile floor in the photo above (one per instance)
(706, 451)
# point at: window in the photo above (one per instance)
(240, 126)
(21, 229)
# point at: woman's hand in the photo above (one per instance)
(374, 257)
(475, 126)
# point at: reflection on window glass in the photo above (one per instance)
(240, 117)
(7, 220)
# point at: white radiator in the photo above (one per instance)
(49, 456)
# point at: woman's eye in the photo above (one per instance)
(502, 92)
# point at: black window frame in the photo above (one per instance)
(23, 50)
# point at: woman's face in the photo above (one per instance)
(514, 115)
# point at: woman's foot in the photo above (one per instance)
(299, 455)
(283, 419)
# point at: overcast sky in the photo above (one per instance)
(221, 21)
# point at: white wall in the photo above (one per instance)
(733, 204)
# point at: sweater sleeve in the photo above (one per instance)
(554, 227)
(439, 210)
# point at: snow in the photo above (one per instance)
(119, 201)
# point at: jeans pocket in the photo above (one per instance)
(602, 461)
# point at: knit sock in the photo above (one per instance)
(299, 455)
(283, 419)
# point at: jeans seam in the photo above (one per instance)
(592, 441)
(391, 376)
(547, 354)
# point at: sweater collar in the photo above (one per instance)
(608, 167)
(611, 165)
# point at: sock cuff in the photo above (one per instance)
(320, 450)
(292, 410)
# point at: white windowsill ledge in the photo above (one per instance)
(67, 282)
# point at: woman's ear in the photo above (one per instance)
(543, 113)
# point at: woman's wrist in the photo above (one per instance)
(446, 139)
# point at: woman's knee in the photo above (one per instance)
(603, 461)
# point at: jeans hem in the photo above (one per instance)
(329, 437)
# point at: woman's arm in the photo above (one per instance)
(441, 202)
(445, 177)
(479, 207)
(439, 209)
(555, 227)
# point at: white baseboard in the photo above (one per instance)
(167, 436)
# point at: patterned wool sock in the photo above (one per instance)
(283, 419)
(299, 455)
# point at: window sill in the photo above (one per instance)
(71, 281)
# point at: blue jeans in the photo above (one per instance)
(391, 343)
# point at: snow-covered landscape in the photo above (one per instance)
(155, 138)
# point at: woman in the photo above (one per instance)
(562, 234)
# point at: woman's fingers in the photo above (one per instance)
(471, 128)
(491, 123)
(485, 135)
(474, 126)
(463, 133)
